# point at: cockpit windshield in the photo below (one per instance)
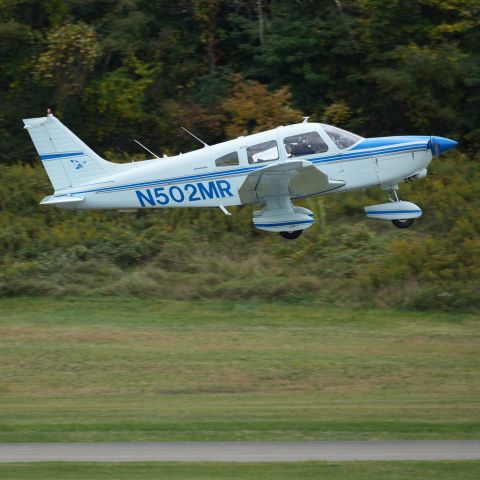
(341, 138)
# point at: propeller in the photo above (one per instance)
(439, 145)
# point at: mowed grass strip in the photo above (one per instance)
(217, 471)
(134, 370)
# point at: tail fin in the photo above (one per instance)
(67, 160)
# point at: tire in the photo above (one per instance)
(291, 235)
(404, 222)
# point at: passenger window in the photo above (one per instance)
(227, 160)
(304, 144)
(263, 152)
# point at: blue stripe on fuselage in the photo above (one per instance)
(377, 142)
(369, 153)
(246, 170)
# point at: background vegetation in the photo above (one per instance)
(118, 70)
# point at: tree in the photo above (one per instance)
(70, 56)
(253, 108)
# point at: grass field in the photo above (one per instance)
(134, 370)
(212, 471)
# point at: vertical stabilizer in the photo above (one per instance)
(67, 160)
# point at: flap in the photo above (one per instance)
(311, 181)
(295, 178)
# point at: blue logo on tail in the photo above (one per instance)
(78, 164)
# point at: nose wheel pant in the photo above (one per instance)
(404, 222)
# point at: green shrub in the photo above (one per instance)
(200, 253)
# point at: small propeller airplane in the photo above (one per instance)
(271, 168)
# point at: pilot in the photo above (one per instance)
(340, 142)
(289, 149)
(303, 146)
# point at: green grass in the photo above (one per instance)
(133, 370)
(216, 471)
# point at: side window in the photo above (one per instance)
(227, 160)
(304, 144)
(263, 152)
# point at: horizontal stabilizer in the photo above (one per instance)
(61, 200)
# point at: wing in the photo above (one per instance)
(295, 179)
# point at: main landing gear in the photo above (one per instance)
(291, 235)
(403, 222)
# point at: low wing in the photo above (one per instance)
(295, 179)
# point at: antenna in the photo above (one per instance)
(305, 119)
(149, 151)
(194, 136)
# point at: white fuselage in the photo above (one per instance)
(194, 179)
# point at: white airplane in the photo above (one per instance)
(271, 168)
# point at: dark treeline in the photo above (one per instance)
(116, 70)
(120, 70)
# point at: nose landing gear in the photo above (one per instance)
(400, 222)
(402, 214)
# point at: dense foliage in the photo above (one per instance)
(115, 70)
(200, 253)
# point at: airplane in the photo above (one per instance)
(271, 169)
